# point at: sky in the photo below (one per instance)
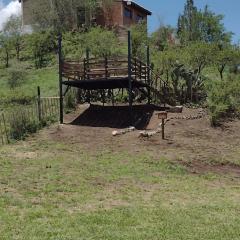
(167, 12)
(164, 12)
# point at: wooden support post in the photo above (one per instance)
(148, 75)
(60, 78)
(39, 104)
(106, 68)
(130, 75)
(87, 75)
(163, 115)
(163, 129)
(103, 96)
(112, 95)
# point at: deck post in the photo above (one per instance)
(148, 74)
(130, 75)
(60, 78)
(87, 75)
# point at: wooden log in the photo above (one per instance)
(153, 132)
(123, 131)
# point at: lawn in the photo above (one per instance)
(51, 190)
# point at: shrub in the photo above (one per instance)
(21, 126)
(101, 42)
(71, 100)
(15, 77)
(223, 98)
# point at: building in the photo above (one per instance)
(122, 13)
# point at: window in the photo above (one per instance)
(128, 13)
(139, 18)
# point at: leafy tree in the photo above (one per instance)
(41, 45)
(163, 37)
(13, 29)
(223, 97)
(187, 23)
(224, 57)
(5, 48)
(197, 25)
(101, 42)
(65, 14)
(139, 40)
(73, 45)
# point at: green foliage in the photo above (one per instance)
(65, 15)
(21, 125)
(70, 100)
(223, 97)
(197, 25)
(16, 77)
(42, 44)
(139, 40)
(5, 49)
(13, 29)
(101, 42)
(163, 37)
(73, 45)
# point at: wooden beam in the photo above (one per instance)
(130, 74)
(60, 63)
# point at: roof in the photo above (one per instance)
(134, 4)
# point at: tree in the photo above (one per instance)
(197, 25)
(5, 48)
(226, 56)
(13, 29)
(101, 42)
(163, 37)
(65, 14)
(41, 45)
(139, 40)
(187, 23)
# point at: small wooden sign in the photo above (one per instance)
(162, 115)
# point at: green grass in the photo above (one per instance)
(50, 190)
(46, 78)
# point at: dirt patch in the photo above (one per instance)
(190, 139)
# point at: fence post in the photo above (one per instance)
(60, 78)
(106, 67)
(87, 67)
(5, 128)
(130, 75)
(148, 74)
(39, 104)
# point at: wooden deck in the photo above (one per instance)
(93, 74)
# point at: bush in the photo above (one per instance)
(15, 77)
(71, 100)
(223, 98)
(101, 42)
(21, 126)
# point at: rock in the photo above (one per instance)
(176, 109)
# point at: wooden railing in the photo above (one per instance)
(104, 68)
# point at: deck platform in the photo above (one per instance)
(103, 83)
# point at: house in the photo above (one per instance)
(121, 13)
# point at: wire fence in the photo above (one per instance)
(17, 123)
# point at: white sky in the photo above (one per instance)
(13, 8)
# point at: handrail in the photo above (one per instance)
(104, 68)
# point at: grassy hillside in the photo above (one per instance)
(46, 78)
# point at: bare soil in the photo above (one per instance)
(190, 139)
